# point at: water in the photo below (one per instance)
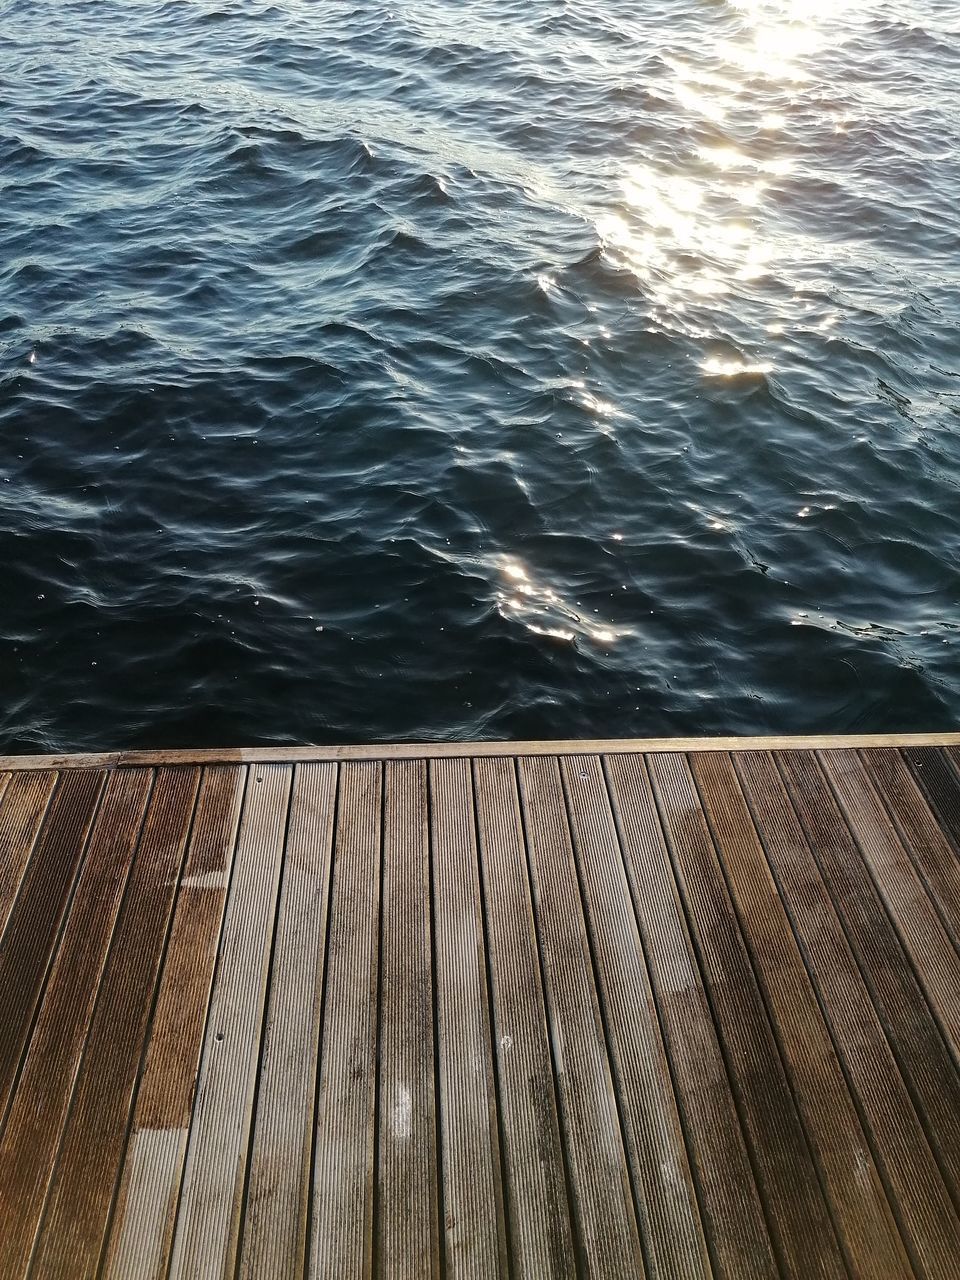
(477, 369)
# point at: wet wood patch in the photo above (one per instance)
(663, 1013)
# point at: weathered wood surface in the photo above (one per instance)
(613, 1013)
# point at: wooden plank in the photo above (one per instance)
(665, 1193)
(599, 1178)
(941, 785)
(733, 1212)
(408, 1231)
(22, 812)
(75, 1220)
(33, 929)
(915, 1036)
(38, 1109)
(276, 1214)
(541, 1236)
(150, 1181)
(920, 833)
(208, 1220)
(473, 1217)
(798, 1214)
(344, 1172)
(927, 942)
(843, 1154)
(472, 750)
(928, 1219)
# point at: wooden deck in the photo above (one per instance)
(606, 1009)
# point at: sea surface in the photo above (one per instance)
(477, 369)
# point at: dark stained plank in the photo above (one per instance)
(927, 942)
(344, 1172)
(208, 1221)
(150, 1181)
(407, 1228)
(33, 929)
(34, 1122)
(916, 1038)
(276, 1215)
(936, 771)
(75, 1220)
(920, 833)
(22, 809)
(929, 1220)
(845, 1160)
(732, 1208)
(535, 1188)
(599, 1177)
(798, 1214)
(474, 1235)
(665, 1193)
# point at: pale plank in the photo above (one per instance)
(473, 1219)
(927, 942)
(666, 1197)
(208, 1218)
(732, 1206)
(408, 1234)
(76, 1215)
(599, 1176)
(344, 1173)
(798, 1214)
(844, 1157)
(535, 1194)
(37, 1110)
(928, 1217)
(471, 750)
(276, 1215)
(142, 1230)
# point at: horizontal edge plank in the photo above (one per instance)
(473, 750)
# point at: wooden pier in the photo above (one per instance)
(612, 1009)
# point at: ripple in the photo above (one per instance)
(501, 370)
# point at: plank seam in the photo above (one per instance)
(867, 978)
(792, 1084)
(161, 964)
(854, 1096)
(264, 1014)
(54, 951)
(58, 782)
(311, 1180)
(377, 1034)
(952, 1050)
(667, 1050)
(618, 1085)
(908, 846)
(55, 1163)
(494, 1037)
(952, 837)
(735, 1093)
(435, 1013)
(206, 1023)
(576, 1226)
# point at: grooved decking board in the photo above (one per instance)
(276, 1221)
(211, 1198)
(143, 1220)
(479, 1012)
(474, 1244)
(76, 1214)
(344, 1166)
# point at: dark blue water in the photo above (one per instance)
(477, 368)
